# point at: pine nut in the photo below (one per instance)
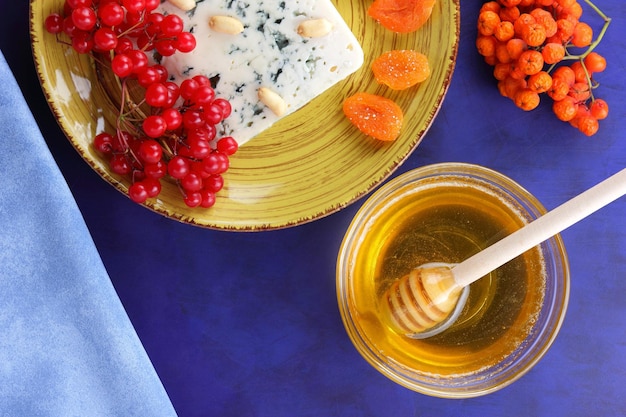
(273, 101)
(184, 5)
(226, 24)
(314, 28)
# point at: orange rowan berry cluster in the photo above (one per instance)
(529, 43)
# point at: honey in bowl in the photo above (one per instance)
(445, 214)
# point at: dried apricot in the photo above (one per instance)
(374, 115)
(401, 16)
(401, 69)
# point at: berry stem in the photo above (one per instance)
(598, 39)
(140, 22)
(598, 11)
(580, 57)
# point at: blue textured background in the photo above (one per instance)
(248, 324)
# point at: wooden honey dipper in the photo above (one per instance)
(430, 298)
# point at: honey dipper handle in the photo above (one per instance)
(540, 229)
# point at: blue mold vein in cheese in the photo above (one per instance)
(269, 53)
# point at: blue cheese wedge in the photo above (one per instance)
(268, 58)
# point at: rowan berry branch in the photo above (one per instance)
(546, 49)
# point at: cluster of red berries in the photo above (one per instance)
(530, 43)
(173, 130)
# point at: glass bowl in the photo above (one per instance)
(446, 213)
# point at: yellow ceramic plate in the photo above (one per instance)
(308, 165)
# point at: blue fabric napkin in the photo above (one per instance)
(67, 347)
